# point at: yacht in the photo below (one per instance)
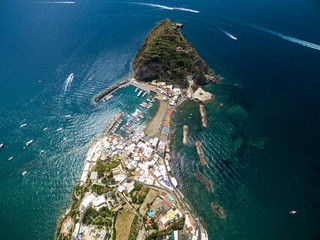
(68, 116)
(59, 129)
(64, 139)
(24, 173)
(144, 94)
(29, 143)
(10, 158)
(1, 145)
(42, 152)
(109, 97)
(136, 90)
(293, 212)
(139, 93)
(45, 129)
(23, 125)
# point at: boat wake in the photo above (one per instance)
(68, 82)
(229, 34)
(58, 2)
(289, 38)
(169, 8)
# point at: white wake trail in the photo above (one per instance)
(169, 8)
(68, 82)
(289, 38)
(58, 2)
(229, 34)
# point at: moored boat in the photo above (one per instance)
(29, 143)
(139, 93)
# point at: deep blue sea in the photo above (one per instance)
(270, 93)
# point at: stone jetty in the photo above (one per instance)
(113, 121)
(111, 89)
(203, 114)
(205, 181)
(200, 153)
(185, 134)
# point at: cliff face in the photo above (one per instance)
(167, 56)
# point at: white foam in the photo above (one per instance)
(229, 34)
(169, 8)
(289, 38)
(58, 2)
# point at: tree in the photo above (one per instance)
(134, 199)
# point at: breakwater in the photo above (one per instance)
(200, 153)
(203, 114)
(112, 89)
(205, 181)
(185, 134)
(113, 121)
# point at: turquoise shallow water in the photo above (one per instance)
(42, 43)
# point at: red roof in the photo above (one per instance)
(165, 202)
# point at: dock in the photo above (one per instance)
(200, 153)
(185, 134)
(107, 92)
(203, 114)
(113, 121)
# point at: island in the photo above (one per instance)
(126, 189)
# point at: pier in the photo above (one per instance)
(113, 121)
(107, 92)
(200, 153)
(203, 114)
(185, 134)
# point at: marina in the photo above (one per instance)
(200, 153)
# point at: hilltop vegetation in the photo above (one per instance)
(166, 56)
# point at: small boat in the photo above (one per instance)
(139, 93)
(10, 158)
(144, 94)
(24, 173)
(23, 125)
(45, 129)
(136, 90)
(293, 212)
(1, 145)
(28, 143)
(42, 152)
(68, 116)
(64, 139)
(109, 97)
(59, 129)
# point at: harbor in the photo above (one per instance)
(200, 153)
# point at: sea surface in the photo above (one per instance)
(262, 140)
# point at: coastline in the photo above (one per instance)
(153, 129)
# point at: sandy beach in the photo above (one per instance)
(155, 124)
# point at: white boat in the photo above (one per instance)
(139, 93)
(68, 116)
(144, 94)
(24, 173)
(45, 129)
(10, 158)
(28, 143)
(293, 212)
(109, 97)
(23, 125)
(64, 139)
(136, 90)
(59, 129)
(42, 152)
(1, 145)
